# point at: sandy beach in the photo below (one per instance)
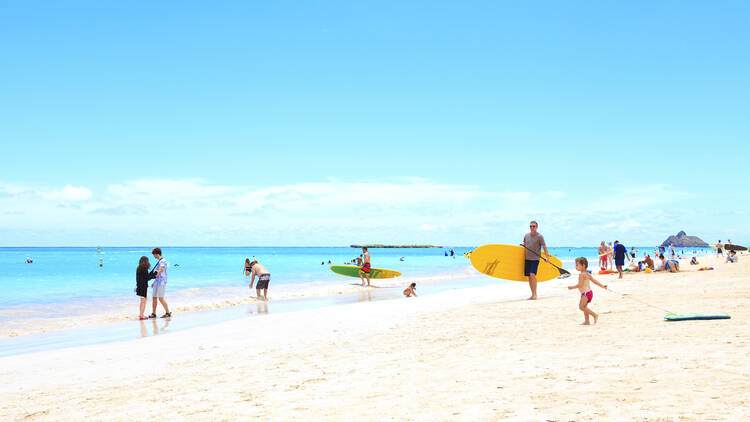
(479, 354)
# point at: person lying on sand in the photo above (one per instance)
(583, 286)
(635, 268)
(411, 290)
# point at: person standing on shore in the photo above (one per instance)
(610, 252)
(583, 286)
(719, 250)
(264, 277)
(364, 271)
(620, 255)
(142, 276)
(533, 242)
(160, 284)
(602, 255)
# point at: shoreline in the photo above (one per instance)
(29, 319)
(45, 318)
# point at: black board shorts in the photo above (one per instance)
(263, 280)
(530, 267)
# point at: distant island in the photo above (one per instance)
(682, 240)
(395, 246)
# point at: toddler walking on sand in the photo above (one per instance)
(585, 288)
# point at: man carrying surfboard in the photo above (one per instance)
(364, 270)
(533, 242)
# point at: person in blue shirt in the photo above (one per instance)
(620, 252)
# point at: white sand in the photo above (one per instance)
(471, 356)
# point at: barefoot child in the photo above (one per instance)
(585, 288)
(411, 290)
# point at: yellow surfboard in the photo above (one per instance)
(507, 262)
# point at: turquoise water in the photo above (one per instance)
(60, 275)
(63, 274)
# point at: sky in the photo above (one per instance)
(337, 122)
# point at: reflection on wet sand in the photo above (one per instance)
(155, 330)
(262, 308)
(365, 296)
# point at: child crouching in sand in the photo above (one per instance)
(585, 288)
(411, 290)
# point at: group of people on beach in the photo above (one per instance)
(533, 243)
(615, 253)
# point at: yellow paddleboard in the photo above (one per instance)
(507, 262)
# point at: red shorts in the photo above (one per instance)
(366, 267)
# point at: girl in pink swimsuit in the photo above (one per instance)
(587, 295)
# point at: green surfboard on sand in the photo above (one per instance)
(688, 317)
(353, 271)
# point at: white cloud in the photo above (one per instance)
(68, 193)
(427, 227)
(194, 211)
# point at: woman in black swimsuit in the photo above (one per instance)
(247, 267)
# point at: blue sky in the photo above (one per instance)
(329, 123)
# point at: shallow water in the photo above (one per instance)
(128, 330)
